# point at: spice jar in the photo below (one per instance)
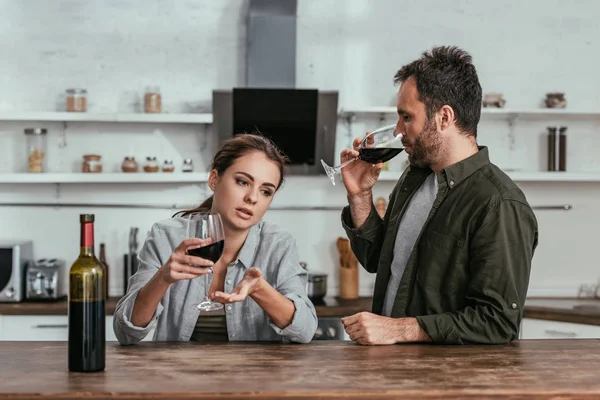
(36, 149)
(188, 165)
(129, 165)
(76, 100)
(168, 166)
(91, 163)
(152, 100)
(151, 164)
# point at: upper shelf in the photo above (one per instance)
(499, 112)
(136, 177)
(108, 117)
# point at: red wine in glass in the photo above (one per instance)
(207, 226)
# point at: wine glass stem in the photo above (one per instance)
(339, 167)
(207, 285)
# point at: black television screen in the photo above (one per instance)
(286, 116)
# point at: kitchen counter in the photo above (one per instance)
(333, 307)
(533, 369)
(577, 310)
(582, 311)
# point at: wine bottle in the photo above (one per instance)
(105, 264)
(87, 314)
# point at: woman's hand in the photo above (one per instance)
(250, 283)
(181, 266)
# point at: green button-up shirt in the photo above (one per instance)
(467, 277)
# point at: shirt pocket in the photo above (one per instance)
(442, 266)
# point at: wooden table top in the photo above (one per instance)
(533, 369)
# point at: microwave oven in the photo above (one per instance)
(14, 260)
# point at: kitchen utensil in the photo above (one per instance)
(316, 287)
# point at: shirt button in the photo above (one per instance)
(228, 281)
(405, 189)
(233, 335)
(451, 183)
(228, 308)
(514, 305)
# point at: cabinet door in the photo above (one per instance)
(35, 327)
(543, 329)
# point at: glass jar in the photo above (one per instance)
(76, 100)
(37, 143)
(188, 165)
(152, 100)
(151, 164)
(168, 166)
(91, 163)
(129, 165)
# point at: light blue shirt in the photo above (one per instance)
(267, 247)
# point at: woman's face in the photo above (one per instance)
(243, 194)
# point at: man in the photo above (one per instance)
(453, 252)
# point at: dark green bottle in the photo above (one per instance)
(87, 314)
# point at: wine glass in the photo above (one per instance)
(381, 145)
(207, 226)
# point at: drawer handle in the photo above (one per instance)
(51, 326)
(560, 333)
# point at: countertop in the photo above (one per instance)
(333, 307)
(532, 369)
(582, 311)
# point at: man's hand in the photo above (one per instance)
(370, 329)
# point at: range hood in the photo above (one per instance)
(301, 121)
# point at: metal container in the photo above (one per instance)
(316, 287)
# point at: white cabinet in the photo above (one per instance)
(45, 328)
(543, 329)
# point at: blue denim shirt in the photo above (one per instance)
(267, 247)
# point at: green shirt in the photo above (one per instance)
(467, 277)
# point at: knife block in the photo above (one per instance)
(349, 282)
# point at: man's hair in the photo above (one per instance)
(446, 76)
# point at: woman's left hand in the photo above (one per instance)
(250, 283)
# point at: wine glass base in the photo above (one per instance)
(209, 306)
(329, 171)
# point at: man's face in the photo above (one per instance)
(422, 141)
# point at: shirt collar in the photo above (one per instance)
(247, 253)
(460, 171)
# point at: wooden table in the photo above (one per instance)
(523, 369)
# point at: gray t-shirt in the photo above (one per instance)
(408, 231)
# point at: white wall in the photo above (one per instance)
(115, 48)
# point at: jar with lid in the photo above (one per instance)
(557, 148)
(37, 143)
(129, 165)
(151, 165)
(152, 100)
(91, 163)
(76, 100)
(188, 165)
(168, 166)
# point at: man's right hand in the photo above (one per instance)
(359, 177)
(181, 266)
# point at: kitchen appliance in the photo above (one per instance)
(316, 287)
(14, 258)
(43, 279)
(301, 122)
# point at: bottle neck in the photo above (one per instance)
(87, 240)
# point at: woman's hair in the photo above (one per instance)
(234, 148)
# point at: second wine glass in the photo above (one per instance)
(207, 226)
(381, 145)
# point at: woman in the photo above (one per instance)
(258, 277)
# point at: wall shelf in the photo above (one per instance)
(485, 112)
(525, 176)
(91, 178)
(161, 118)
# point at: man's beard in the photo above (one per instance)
(427, 146)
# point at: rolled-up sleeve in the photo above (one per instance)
(149, 262)
(291, 282)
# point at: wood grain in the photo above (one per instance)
(535, 369)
